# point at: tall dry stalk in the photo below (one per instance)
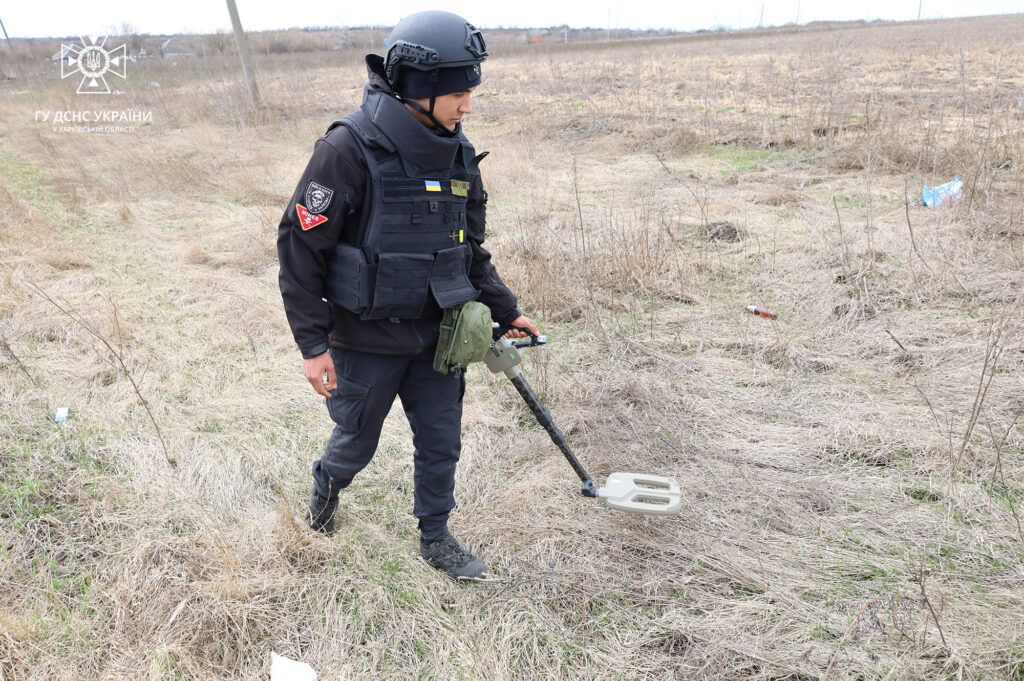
(118, 355)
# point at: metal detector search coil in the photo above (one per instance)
(629, 492)
(650, 494)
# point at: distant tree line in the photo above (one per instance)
(34, 53)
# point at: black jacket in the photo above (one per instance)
(338, 173)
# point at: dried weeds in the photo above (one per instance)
(852, 469)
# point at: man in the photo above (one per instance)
(387, 225)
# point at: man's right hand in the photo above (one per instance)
(319, 371)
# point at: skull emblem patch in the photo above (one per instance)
(318, 197)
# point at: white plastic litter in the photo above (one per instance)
(61, 414)
(944, 194)
(283, 669)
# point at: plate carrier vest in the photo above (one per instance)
(413, 243)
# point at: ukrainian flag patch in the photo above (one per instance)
(432, 185)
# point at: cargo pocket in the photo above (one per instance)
(346, 404)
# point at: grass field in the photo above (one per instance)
(853, 471)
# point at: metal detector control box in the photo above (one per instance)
(503, 356)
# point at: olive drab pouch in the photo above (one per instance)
(465, 337)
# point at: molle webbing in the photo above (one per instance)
(414, 243)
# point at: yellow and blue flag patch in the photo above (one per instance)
(432, 185)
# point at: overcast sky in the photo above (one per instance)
(95, 17)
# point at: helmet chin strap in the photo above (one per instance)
(438, 128)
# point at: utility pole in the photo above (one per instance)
(797, 12)
(919, 3)
(14, 56)
(760, 22)
(243, 53)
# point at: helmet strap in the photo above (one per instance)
(438, 128)
(432, 79)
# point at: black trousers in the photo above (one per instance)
(367, 387)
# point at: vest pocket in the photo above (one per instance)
(349, 279)
(401, 287)
(449, 279)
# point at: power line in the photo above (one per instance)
(14, 55)
(243, 54)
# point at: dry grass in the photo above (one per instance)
(852, 470)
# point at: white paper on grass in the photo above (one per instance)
(283, 669)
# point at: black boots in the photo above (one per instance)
(448, 556)
(321, 512)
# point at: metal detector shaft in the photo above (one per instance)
(629, 492)
(544, 419)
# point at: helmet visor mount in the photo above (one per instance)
(475, 44)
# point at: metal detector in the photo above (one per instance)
(630, 492)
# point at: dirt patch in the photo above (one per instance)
(721, 231)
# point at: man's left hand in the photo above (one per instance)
(524, 322)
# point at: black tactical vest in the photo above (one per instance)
(414, 243)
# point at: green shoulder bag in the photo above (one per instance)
(465, 337)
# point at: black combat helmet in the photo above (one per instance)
(430, 54)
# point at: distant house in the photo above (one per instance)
(64, 53)
(172, 48)
(71, 50)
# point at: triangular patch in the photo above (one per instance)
(306, 219)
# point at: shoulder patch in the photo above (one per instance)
(307, 219)
(318, 197)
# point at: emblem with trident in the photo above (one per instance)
(93, 61)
